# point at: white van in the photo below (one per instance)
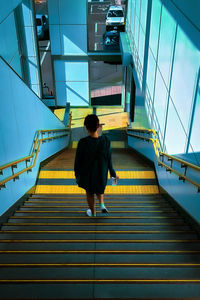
(115, 18)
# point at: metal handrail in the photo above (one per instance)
(143, 130)
(15, 162)
(159, 153)
(36, 148)
(183, 162)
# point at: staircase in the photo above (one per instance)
(143, 249)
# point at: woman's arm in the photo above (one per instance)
(110, 166)
(78, 159)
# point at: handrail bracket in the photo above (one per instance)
(12, 168)
(2, 186)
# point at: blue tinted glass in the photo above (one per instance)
(132, 20)
(195, 140)
(151, 73)
(160, 101)
(129, 11)
(136, 31)
(141, 46)
(155, 23)
(186, 65)
(137, 8)
(175, 138)
(143, 14)
(168, 28)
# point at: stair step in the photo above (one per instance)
(101, 265)
(129, 280)
(91, 244)
(100, 217)
(92, 226)
(78, 213)
(107, 197)
(102, 289)
(73, 257)
(97, 235)
(101, 220)
(64, 207)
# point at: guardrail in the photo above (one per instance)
(161, 155)
(38, 140)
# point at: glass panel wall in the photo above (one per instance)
(44, 46)
(175, 139)
(136, 32)
(9, 48)
(172, 97)
(195, 140)
(185, 68)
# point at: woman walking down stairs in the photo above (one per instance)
(142, 249)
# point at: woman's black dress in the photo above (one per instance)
(92, 162)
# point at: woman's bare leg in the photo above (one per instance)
(101, 202)
(100, 198)
(91, 202)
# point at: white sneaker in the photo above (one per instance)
(88, 212)
(104, 210)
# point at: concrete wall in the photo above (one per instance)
(22, 113)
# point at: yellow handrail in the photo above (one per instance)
(36, 147)
(181, 161)
(15, 162)
(143, 130)
(158, 152)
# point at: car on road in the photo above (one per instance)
(42, 27)
(115, 18)
(111, 40)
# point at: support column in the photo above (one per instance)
(146, 48)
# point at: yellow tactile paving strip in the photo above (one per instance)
(121, 189)
(121, 174)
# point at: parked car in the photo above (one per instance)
(111, 40)
(115, 18)
(42, 25)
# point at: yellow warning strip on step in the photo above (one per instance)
(85, 205)
(120, 189)
(89, 224)
(83, 211)
(100, 265)
(101, 251)
(96, 231)
(121, 174)
(49, 201)
(96, 241)
(114, 281)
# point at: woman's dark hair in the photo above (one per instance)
(91, 122)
